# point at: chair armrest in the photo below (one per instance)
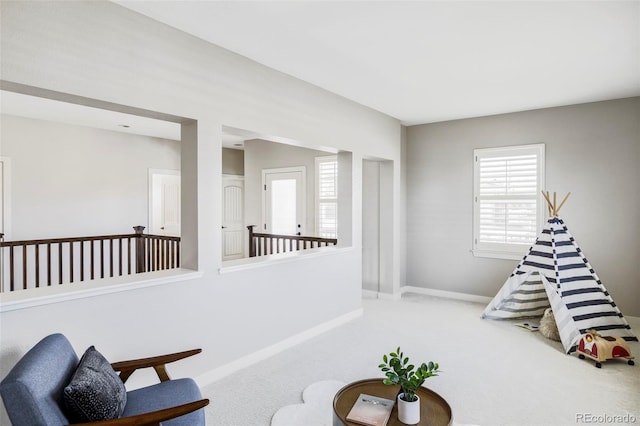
(153, 417)
(126, 368)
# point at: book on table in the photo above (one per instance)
(371, 410)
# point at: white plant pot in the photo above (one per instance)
(408, 412)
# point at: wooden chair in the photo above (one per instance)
(33, 390)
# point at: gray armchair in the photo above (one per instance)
(36, 392)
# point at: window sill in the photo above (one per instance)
(498, 254)
(22, 299)
(274, 259)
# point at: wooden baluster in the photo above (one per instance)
(101, 258)
(48, 264)
(11, 269)
(37, 254)
(110, 257)
(129, 255)
(70, 261)
(24, 267)
(93, 243)
(177, 254)
(164, 254)
(81, 260)
(120, 256)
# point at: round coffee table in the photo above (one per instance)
(434, 410)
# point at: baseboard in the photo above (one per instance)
(372, 294)
(248, 360)
(447, 294)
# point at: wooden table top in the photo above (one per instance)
(434, 410)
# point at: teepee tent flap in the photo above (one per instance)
(555, 273)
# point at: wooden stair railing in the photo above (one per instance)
(46, 262)
(264, 244)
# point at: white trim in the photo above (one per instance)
(500, 254)
(265, 353)
(265, 172)
(507, 251)
(6, 194)
(150, 180)
(318, 161)
(446, 294)
(22, 299)
(230, 266)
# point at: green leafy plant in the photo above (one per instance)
(398, 371)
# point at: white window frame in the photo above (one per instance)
(507, 250)
(318, 200)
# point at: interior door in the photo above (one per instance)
(164, 202)
(284, 201)
(233, 231)
(1, 196)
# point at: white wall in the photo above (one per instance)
(71, 181)
(260, 155)
(592, 150)
(102, 51)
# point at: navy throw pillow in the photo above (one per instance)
(95, 392)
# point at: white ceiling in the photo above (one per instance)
(418, 61)
(429, 61)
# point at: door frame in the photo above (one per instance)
(151, 174)
(245, 249)
(303, 171)
(5, 193)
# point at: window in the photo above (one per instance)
(508, 209)
(327, 196)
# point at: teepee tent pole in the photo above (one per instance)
(562, 202)
(552, 207)
(549, 205)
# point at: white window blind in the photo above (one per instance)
(327, 196)
(507, 199)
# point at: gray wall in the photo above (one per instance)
(103, 51)
(233, 161)
(260, 155)
(70, 181)
(592, 150)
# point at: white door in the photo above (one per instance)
(5, 197)
(284, 201)
(1, 196)
(164, 202)
(233, 231)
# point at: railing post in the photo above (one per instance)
(140, 252)
(252, 242)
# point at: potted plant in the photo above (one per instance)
(398, 371)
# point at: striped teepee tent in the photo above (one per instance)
(555, 273)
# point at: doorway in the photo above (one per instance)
(284, 200)
(233, 232)
(377, 228)
(164, 202)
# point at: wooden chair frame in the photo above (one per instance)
(158, 363)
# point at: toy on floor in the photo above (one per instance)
(548, 326)
(601, 348)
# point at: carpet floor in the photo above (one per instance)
(492, 373)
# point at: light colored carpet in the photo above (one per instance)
(316, 410)
(493, 373)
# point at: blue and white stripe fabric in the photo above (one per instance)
(555, 273)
